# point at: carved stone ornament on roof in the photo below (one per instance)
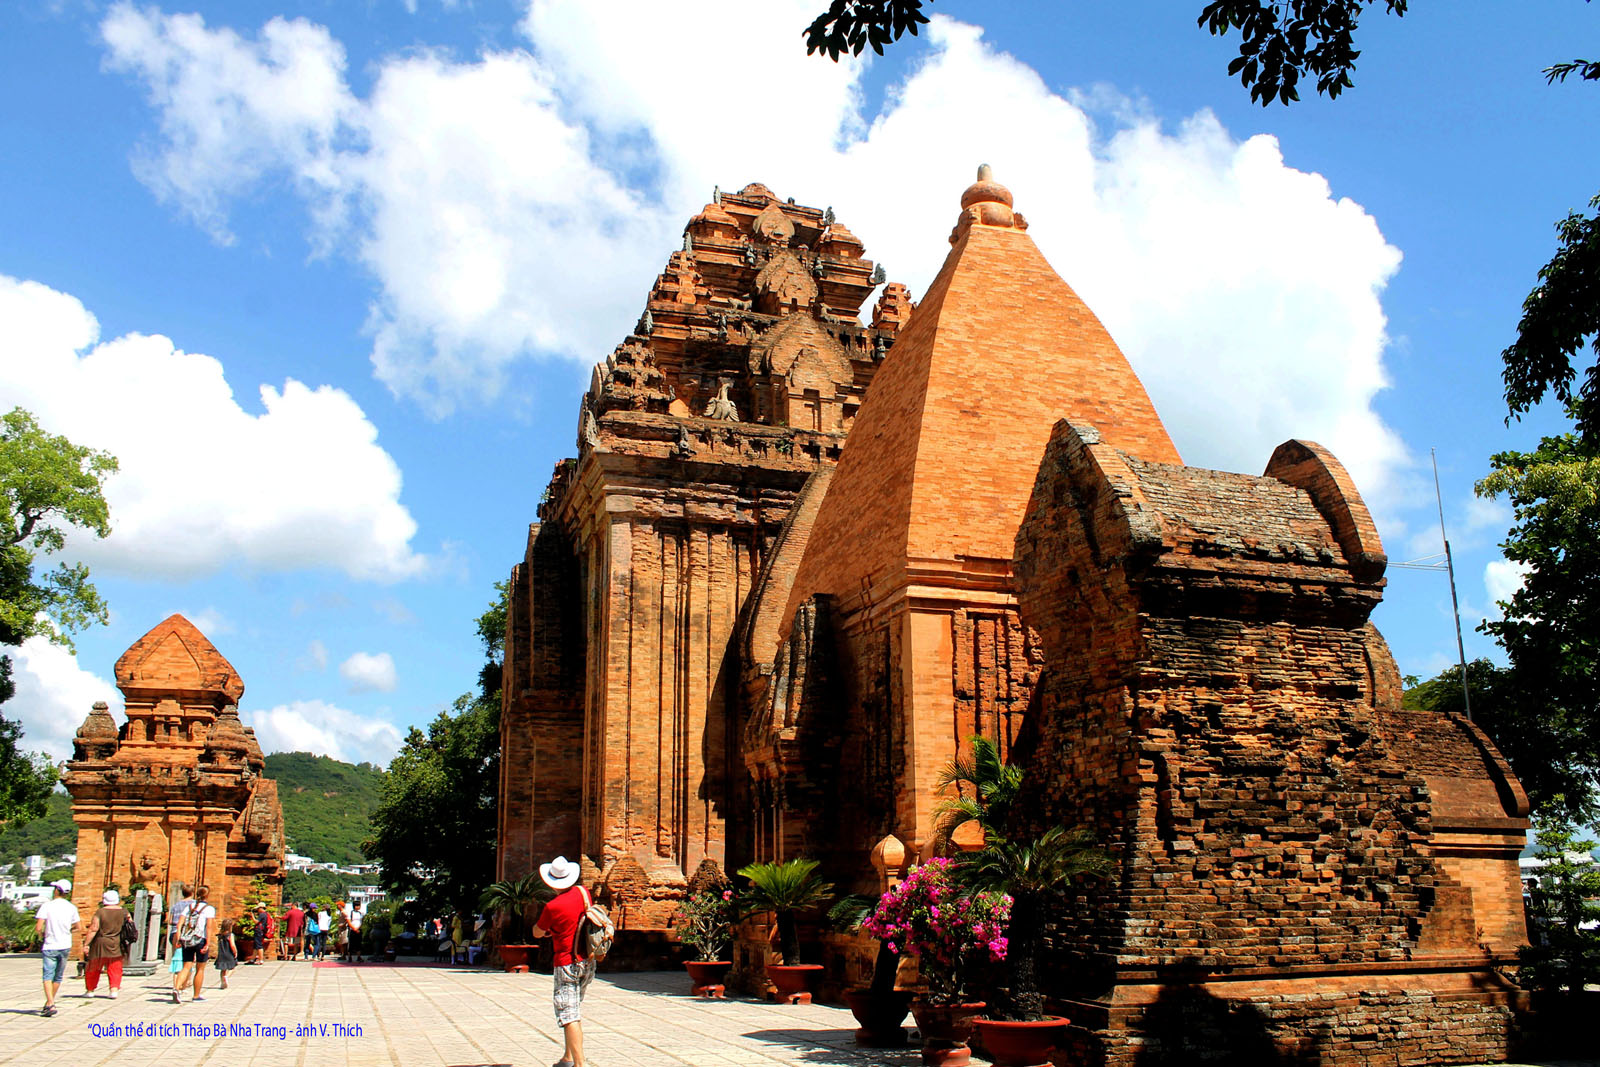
(784, 285)
(721, 406)
(683, 447)
(773, 226)
(588, 430)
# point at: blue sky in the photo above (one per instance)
(328, 277)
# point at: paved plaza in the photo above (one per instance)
(416, 1015)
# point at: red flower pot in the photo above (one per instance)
(1021, 1043)
(880, 1016)
(517, 957)
(795, 983)
(945, 1030)
(707, 976)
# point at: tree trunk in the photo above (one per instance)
(788, 939)
(884, 969)
(1022, 958)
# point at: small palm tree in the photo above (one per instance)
(512, 897)
(784, 888)
(994, 785)
(1036, 873)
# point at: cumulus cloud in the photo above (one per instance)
(517, 204)
(203, 482)
(326, 730)
(1502, 578)
(53, 696)
(367, 672)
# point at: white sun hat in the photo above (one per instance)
(110, 898)
(61, 884)
(559, 873)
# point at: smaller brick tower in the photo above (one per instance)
(176, 794)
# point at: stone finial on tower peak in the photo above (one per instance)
(988, 202)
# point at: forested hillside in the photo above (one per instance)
(326, 804)
(48, 836)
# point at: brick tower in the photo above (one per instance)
(176, 794)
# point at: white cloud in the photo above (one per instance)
(1501, 580)
(366, 672)
(53, 696)
(394, 610)
(210, 621)
(517, 204)
(325, 729)
(203, 482)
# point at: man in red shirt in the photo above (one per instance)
(559, 920)
(294, 924)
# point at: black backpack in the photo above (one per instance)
(130, 932)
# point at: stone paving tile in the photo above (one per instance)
(424, 1016)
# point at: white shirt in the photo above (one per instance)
(325, 922)
(58, 915)
(354, 918)
(203, 914)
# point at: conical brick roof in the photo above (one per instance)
(939, 466)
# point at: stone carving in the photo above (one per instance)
(720, 406)
(683, 447)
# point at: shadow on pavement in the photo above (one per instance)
(829, 1047)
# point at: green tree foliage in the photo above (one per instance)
(48, 485)
(434, 827)
(1548, 752)
(327, 804)
(49, 835)
(1550, 628)
(301, 886)
(1564, 908)
(1280, 41)
(1562, 311)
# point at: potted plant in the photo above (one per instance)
(245, 933)
(784, 889)
(1033, 872)
(705, 924)
(951, 933)
(879, 1007)
(510, 899)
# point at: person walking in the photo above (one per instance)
(57, 919)
(355, 918)
(194, 935)
(325, 927)
(175, 914)
(102, 944)
(227, 950)
(294, 928)
(559, 921)
(263, 932)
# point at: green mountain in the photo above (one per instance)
(326, 804)
(49, 835)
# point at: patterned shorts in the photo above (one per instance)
(572, 981)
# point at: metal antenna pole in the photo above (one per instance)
(1455, 605)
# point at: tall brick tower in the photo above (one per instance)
(696, 436)
(176, 793)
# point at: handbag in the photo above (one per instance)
(130, 933)
(596, 932)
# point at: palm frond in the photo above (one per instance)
(788, 886)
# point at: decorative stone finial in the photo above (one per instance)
(879, 275)
(688, 241)
(991, 200)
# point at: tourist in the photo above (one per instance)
(263, 932)
(102, 944)
(560, 920)
(457, 942)
(175, 914)
(227, 951)
(325, 923)
(294, 928)
(194, 935)
(355, 918)
(57, 920)
(313, 933)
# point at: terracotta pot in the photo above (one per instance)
(1021, 1043)
(945, 1030)
(517, 957)
(707, 976)
(795, 983)
(880, 1016)
(247, 948)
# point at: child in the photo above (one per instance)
(227, 951)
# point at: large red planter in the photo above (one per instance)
(516, 958)
(707, 976)
(1021, 1043)
(795, 982)
(880, 1016)
(945, 1030)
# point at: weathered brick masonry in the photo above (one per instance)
(176, 793)
(739, 633)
